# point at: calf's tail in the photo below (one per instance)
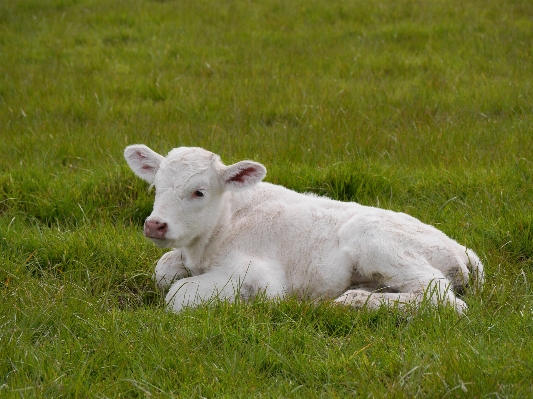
(477, 273)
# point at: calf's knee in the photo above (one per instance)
(169, 269)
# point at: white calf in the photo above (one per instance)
(232, 234)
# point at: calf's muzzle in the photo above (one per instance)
(155, 229)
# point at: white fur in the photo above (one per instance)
(232, 235)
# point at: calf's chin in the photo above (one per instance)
(162, 243)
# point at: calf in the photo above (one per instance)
(233, 235)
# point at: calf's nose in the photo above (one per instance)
(155, 229)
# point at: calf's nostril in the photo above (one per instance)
(155, 229)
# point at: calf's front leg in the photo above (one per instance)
(169, 269)
(192, 291)
(242, 277)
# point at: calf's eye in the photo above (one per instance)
(198, 193)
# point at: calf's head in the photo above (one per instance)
(190, 184)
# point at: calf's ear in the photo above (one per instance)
(243, 174)
(143, 161)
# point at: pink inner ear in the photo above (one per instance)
(243, 174)
(143, 157)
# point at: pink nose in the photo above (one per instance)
(155, 229)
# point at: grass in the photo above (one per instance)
(417, 106)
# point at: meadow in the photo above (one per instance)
(419, 106)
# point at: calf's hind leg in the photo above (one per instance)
(436, 292)
(385, 256)
(360, 298)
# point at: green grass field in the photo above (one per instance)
(424, 107)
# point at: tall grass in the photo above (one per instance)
(420, 106)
